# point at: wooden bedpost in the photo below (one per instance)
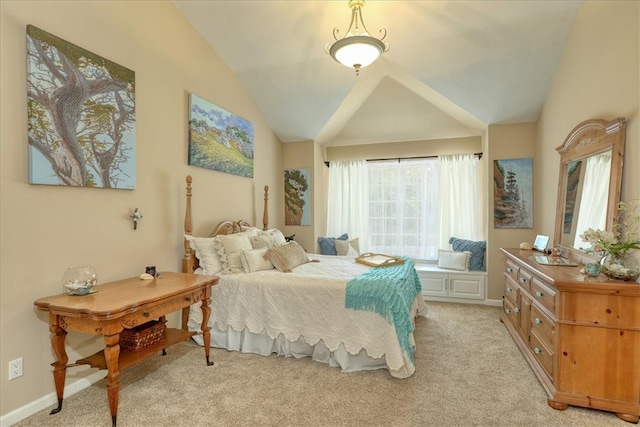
(265, 213)
(187, 261)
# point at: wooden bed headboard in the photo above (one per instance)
(189, 261)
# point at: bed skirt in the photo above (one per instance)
(248, 342)
(245, 341)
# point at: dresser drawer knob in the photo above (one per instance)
(523, 280)
(509, 270)
(537, 350)
(538, 294)
(537, 320)
(517, 309)
(509, 289)
(506, 310)
(146, 314)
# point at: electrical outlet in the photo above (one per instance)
(15, 368)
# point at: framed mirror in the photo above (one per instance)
(590, 181)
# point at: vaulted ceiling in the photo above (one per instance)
(454, 67)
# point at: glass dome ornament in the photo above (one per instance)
(79, 280)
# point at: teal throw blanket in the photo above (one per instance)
(390, 292)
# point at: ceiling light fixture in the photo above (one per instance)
(357, 48)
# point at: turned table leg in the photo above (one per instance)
(112, 354)
(206, 335)
(60, 365)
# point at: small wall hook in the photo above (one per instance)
(136, 216)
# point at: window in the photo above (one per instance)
(407, 207)
(403, 207)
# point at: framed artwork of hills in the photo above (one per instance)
(219, 140)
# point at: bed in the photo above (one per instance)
(329, 308)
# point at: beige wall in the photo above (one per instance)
(45, 229)
(507, 142)
(300, 155)
(434, 147)
(599, 77)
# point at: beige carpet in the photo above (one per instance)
(469, 373)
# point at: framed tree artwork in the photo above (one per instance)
(513, 193)
(81, 115)
(297, 199)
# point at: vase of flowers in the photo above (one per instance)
(614, 246)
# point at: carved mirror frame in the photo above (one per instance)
(590, 138)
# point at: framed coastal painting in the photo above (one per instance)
(81, 116)
(219, 140)
(513, 193)
(297, 197)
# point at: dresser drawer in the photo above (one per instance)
(542, 353)
(510, 291)
(512, 269)
(524, 280)
(543, 294)
(511, 313)
(543, 325)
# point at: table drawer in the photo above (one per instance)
(147, 313)
(543, 325)
(543, 294)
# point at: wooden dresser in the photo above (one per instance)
(579, 334)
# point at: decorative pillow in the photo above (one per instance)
(477, 250)
(347, 248)
(278, 237)
(287, 256)
(206, 253)
(454, 260)
(229, 247)
(253, 260)
(328, 246)
(263, 241)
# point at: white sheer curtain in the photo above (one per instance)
(458, 199)
(404, 206)
(348, 204)
(595, 196)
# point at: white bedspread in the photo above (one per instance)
(307, 305)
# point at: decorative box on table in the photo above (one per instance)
(142, 336)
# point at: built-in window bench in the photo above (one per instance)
(439, 284)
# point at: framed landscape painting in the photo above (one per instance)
(81, 116)
(297, 197)
(219, 140)
(513, 193)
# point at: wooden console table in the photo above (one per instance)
(116, 306)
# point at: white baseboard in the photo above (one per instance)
(489, 302)
(50, 399)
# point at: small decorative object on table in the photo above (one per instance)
(591, 269)
(616, 263)
(80, 280)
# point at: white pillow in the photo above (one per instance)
(263, 241)
(348, 248)
(453, 260)
(278, 237)
(229, 247)
(253, 260)
(206, 253)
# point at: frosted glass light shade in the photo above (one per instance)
(357, 51)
